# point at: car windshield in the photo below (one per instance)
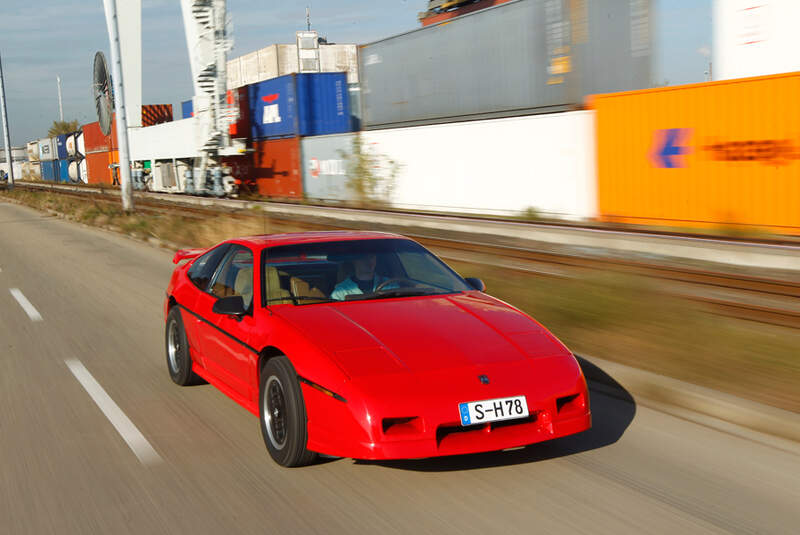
(351, 270)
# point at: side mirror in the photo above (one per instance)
(233, 305)
(476, 283)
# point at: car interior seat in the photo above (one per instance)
(302, 288)
(275, 292)
(244, 286)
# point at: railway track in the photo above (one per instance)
(531, 261)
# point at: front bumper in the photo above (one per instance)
(453, 440)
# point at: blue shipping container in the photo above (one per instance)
(187, 109)
(61, 147)
(63, 170)
(49, 171)
(300, 104)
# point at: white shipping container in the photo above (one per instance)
(287, 60)
(32, 149)
(755, 37)
(499, 166)
(249, 68)
(31, 171)
(165, 177)
(234, 73)
(47, 149)
(340, 58)
(18, 169)
(279, 60)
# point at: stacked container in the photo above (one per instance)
(47, 156)
(276, 168)
(300, 105)
(33, 168)
(281, 111)
(100, 152)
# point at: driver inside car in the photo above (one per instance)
(364, 279)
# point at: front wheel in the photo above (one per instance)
(179, 362)
(282, 413)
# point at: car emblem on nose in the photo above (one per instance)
(483, 379)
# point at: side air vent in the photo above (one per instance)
(568, 403)
(407, 425)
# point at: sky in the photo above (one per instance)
(40, 40)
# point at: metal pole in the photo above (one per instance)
(5, 128)
(119, 105)
(60, 104)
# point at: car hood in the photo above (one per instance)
(422, 334)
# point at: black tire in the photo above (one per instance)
(282, 414)
(179, 362)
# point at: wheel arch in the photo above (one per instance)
(265, 355)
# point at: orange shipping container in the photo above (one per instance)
(276, 168)
(717, 153)
(96, 141)
(97, 171)
(97, 167)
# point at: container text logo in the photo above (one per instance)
(768, 151)
(271, 112)
(326, 167)
(669, 146)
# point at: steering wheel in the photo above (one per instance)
(398, 280)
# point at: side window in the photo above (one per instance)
(203, 268)
(235, 276)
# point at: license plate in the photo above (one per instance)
(493, 410)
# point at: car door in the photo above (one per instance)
(226, 339)
(200, 274)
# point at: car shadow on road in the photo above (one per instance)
(613, 410)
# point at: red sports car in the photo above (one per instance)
(366, 345)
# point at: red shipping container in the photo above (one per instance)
(95, 141)
(153, 114)
(276, 168)
(97, 170)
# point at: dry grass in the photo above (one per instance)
(615, 317)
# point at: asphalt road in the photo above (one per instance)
(65, 468)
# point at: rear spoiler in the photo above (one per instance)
(186, 254)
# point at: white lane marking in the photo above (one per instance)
(135, 439)
(26, 305)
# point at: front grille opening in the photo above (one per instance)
(567, 403)
(507, 423)
(443, 432)
(400, 426)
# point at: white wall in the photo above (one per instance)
(500, 166)
(164, 141)
(755, 37)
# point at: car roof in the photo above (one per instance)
(270, 240)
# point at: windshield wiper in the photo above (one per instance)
(393, 292)
(301, 298)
